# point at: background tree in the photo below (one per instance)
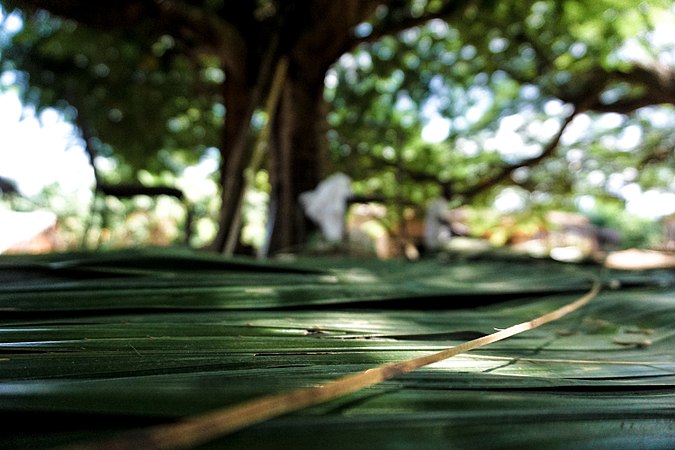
(207, 62)
(147, 104)
(248, 39)
(523, 93)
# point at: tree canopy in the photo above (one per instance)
(498, 87)
(551, 96)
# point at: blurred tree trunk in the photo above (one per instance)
(299, 143)
(315, 38)
(240, 99)
(296, 157)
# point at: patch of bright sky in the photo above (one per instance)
(331, 80)
(350, 63)
(511, 199)
(438, 127)
(661, 45)
(575, 131)
(195, 180)
(38, 151)
(509, 142)
(628, 139)
(10, 23)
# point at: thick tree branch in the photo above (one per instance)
(179, 18)
(656, 81)
(399, 18)
(657, 85)
(330, 32)
(505, 172)
(225, 38)
(104, 14)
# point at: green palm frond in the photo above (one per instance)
(104, 343)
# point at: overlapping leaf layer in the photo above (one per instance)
(95, 344)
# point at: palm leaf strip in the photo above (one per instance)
(206, 427)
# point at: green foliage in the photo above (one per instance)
(501, 76)
(636, 232)
(501, 79)
(137, 98)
